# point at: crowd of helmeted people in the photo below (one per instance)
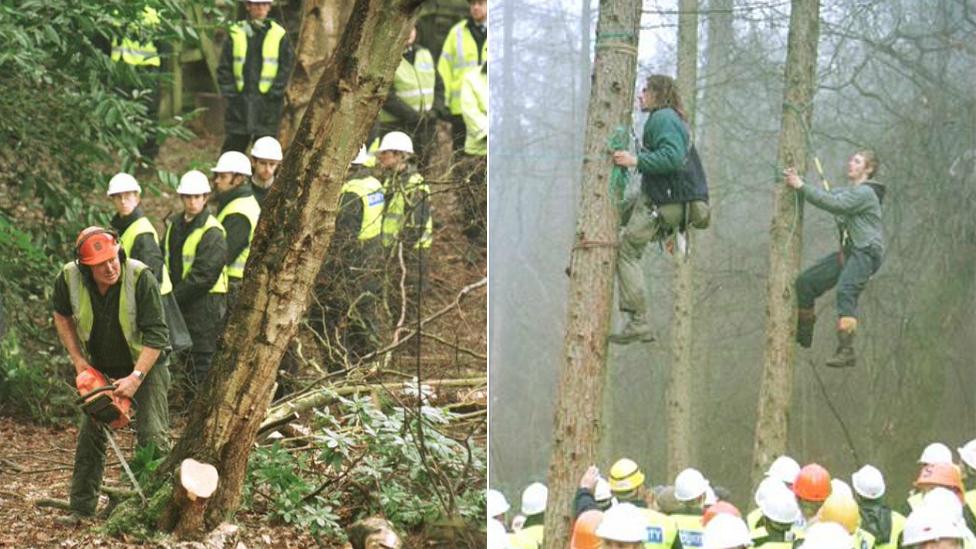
(793, 506)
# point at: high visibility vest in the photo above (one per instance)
(396, 207)
(527, 538)
(458, 56)
(474, 109)
(190, 251)
(247, 206)
(661, 530)
(689, 529)
(759, 532)
(414, 83)
(915, 500)
(370, 192)
(752, 520)
(897, 525)
(134, 53)
(81, 306)
(269, 54)
(128, 239)
(863, 539)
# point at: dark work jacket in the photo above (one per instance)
(251, 112)
(207, 264)
(238, 226)
(260, 192)
(876, 519)
(144, 248)
(661, 160)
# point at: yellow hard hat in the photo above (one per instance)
(625, 476)
(842, 509)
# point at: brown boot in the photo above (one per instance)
(805, 319)
(844, 357)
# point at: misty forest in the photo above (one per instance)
(767, 85)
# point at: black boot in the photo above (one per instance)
(805, 319)
(844, 357)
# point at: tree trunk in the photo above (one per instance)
(776, 389)
(681, 375)
(290, 243)
(321, 28)
(579, 405)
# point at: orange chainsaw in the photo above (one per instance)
(99, 401)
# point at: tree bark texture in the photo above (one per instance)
(321, 28)
(776, 388)
(681, 376)
(576, 434)
(290, 243)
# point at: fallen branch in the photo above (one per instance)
(55, 503)
(321, 398)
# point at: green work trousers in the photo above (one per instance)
(152, 426)
(645, 225)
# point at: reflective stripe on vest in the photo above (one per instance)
(689, 529)
(248, 207)
(81, 306)
(414, 83)
(459, 55)
(190, 251)
(128, 239)
(370, 192)
(474, 109)
(397, 206)
(133, 53)
(269, 54)
(527, 538)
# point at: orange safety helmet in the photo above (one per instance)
(96, 245)
(584, 530)
(718, 508)
(941, 474)
(813, 483)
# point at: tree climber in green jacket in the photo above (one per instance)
(857, 209)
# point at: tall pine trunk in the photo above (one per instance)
(290, 243)
(681, 374)
(322, 24)
(576, 433)
(776, 389)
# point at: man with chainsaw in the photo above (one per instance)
(109, 316)
(857, 210)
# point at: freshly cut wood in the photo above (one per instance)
(198, 479)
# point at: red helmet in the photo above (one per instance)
(813, 483)
(96, 245)
(719, 507)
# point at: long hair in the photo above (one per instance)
(665, 94)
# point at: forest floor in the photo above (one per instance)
(36, 460)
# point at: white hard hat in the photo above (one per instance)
(826, 535)
(623, 522)
(936, 453)
(784, 469)
(689, 484)
(233, 162)
(726, 531)
(602, 490)
(267, 148)
(943, 501)
(838, 486)
(122, 183)
(711, 498)
(361, 157)
(497, 536)
(396, 141)
(534, 498)
(766, 486)
(779, 505)
(497, 504)
(868, 482)
(193, 182)
(968, 454)
(926, 524)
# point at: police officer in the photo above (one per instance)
(465, 49)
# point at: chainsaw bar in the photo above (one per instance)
(125, 464)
